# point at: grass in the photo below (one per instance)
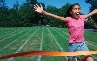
(23, 39)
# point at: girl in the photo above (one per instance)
(75, 24)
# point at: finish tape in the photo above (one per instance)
(49, 53)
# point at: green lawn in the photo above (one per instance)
(23, 39)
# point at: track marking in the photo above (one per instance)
(57, 43)
(39, 57)
(14, 41)
(23, 45)
(13, 35)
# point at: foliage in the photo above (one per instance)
(93, 6)
(58, 11)
(24, 15)
(89, 23)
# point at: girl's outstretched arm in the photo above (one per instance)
(91, 13)
(39, 9)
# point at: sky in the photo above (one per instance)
(57, 3)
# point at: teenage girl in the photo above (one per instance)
(75, 24)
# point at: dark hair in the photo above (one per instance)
(68, 14)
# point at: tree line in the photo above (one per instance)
(24, 16)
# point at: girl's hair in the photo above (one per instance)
(68, 14)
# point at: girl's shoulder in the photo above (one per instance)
(82, 17)
(69, 18)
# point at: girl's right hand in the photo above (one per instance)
(38, 8)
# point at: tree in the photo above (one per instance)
(64, 8)
(62, 12)
(48, 20)
(2, 4)
(23, 15)
(58, 11)
(3, 16)
(16, 5)
(32, 1)
(93, 6)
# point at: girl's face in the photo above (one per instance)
(75, 12)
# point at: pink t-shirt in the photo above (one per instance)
(76, 29)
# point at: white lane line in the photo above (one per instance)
(15, 41)
(23, 45)
(57, 43)
(91, 44)
(5, 32)
(63, 32)
(39, 57)
(9, 33)
(13, 35)
(95, 57)
(60, 34)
